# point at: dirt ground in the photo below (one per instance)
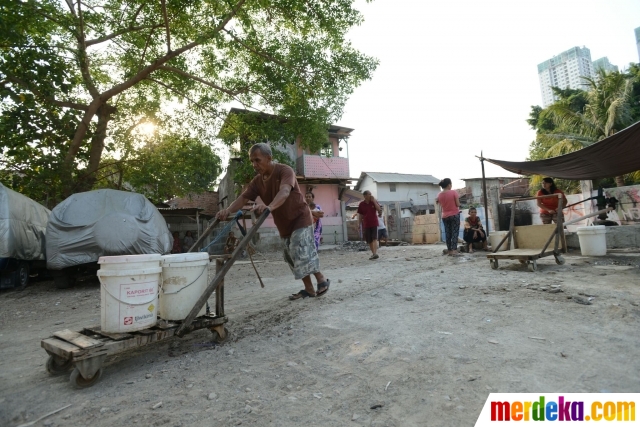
(412, 339)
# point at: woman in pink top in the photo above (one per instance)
(450, 206)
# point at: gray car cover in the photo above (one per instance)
(98, 223)
(23, 223)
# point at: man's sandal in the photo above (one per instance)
(302, 294)
(323, 288)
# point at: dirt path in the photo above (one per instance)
(420, 337)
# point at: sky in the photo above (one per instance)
(459, 78)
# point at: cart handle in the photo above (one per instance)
(217, 281)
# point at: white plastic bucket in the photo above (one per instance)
(496, 237)
(593, 240)
(129, 262)
(184, 280)
(128, 299)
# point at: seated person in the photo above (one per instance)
(187, 242)
(177, 247)
(231, 243)
(473, 232)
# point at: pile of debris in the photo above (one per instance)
(355, 246)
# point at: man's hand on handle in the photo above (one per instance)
(259, 208)
(222, 214)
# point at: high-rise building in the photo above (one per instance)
(564, 71)
(604, 64)
(638, 41)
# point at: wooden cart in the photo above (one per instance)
(85, 351)
(531, 242)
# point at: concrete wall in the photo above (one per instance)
(474, 187)
(227, 187)
(625, 236)
(628, 209)
(404, 191)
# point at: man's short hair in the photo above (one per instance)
(366, 193)
(262, 147)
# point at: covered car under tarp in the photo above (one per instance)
(86, 226)
(23, 223)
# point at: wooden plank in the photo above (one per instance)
(138, 341)
(59, 347)
(77, 339)
(533, 236)
(110, 335)
(164, 324)
(144, 331)
(516, 254)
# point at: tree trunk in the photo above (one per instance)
(97, 147)
(77, 182)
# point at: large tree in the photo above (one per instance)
(549, 132)
(578, 119)
(84, 66)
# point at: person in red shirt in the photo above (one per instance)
(177, 247)
(549, 205)
(368, 217)
(278, 189)
(450, 206)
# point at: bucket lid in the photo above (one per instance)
(185, 257)
(122, 259)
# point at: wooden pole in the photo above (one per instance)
(205, 233)
(218, 280)
(484, 193)
(559, 225)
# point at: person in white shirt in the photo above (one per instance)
(382, 228)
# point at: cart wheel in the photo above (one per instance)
(22, 276)
(494, 264)
(533, 265)
(57, 365)
(78, 381)
(217, 338)
(559, 260)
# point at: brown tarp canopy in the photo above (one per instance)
(613, 156)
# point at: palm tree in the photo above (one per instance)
(608, 111)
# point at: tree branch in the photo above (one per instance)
(135, 15)
(166, 24)
(119, 33)
(174, 90)
(40, 95)
(198, 79)
(256, 52)
(83, 62)
(83, 126)
(169, 56)
(71, 8)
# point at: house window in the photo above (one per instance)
(392, 187)
(327, 150)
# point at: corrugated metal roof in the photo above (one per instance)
(405, 178)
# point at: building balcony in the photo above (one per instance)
(313, 166)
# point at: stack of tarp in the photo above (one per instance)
(98, 223)
(23, 224)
